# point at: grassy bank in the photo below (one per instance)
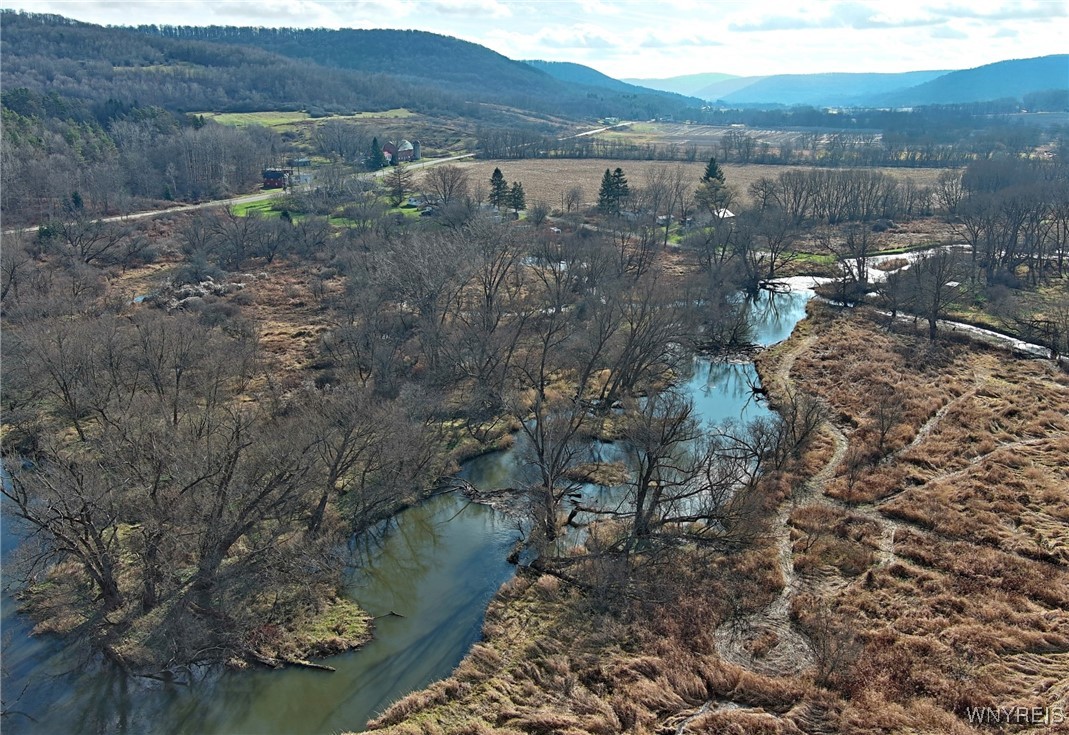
(926, 547)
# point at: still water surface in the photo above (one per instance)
(438, 565)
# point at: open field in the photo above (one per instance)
(279, 118)
(549, 179)
(943, 536)
(438, 135)
(704, 137)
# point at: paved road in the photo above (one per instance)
(264, 195)
(599, 130)
(231, 201)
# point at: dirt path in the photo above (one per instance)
(979, 378)
(791, 652)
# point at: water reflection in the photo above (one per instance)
(438, 566)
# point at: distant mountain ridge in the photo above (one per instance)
(324, 71)
(572, 73)
(188, 68)
(820, 90)
(688, 84)
(580, 74)
(1014, 78)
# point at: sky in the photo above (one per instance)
(658, 39)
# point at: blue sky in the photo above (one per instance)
(666, 38)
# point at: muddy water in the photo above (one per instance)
(437, 565)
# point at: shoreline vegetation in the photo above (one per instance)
(889, 537)
(206, 411)
(398, 345)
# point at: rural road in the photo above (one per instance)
(231, 201)
(262, 195)
(598, 130)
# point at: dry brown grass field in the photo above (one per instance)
(955, 531)
(925, 560)
(547, 179)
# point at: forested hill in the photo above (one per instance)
(813, 89)
(1014, 79)
(566, 71)
(465, 70)
(89, 64)
(188, 69)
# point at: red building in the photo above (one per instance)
(277, 178)
(402, 152)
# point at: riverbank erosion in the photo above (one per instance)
(912, 575)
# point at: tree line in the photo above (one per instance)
(171, 472)
(168, 464)
(60, 154)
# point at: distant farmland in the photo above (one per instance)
(548, 179)
(280, 118)
(706, 137)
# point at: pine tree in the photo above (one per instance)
(606, 198)
(620, 187)
(713, 172)
(614, 189)
(376, 159)
(713, 195)
(517, 200)
(499, 189)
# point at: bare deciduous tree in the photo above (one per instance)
(445, 183)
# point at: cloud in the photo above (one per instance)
(1007, 11)
(470, 8)
(946, 32)
(269, 11)
(1006, 33)
(656, 40)
(599, 8)
(854, 15)
(775, 23)
(575, 38)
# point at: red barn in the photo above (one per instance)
(402, 152)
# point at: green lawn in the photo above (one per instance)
(263, 207)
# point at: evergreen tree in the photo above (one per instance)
(614, 189)
(516, 198)
(713, 172)
(606, 200)
(713, 195)
(499, 189)
(376, 159)
(620, 187)
(605, 192)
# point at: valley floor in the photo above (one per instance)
(915, 581)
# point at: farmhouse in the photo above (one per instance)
(277, 178)
(402, 152)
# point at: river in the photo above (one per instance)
(436, 564)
